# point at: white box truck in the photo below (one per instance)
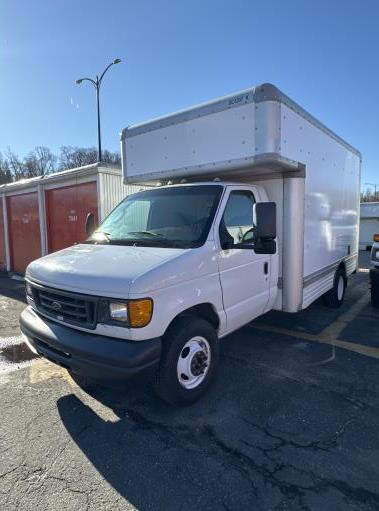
(256, 208)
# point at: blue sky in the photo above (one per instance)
(324, 54)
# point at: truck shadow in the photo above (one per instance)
(150, 459)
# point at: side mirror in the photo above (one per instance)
(90, 224)
(265, 220)
(265, 228)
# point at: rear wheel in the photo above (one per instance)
(189, 360)
(335, 296)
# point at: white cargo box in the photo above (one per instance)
(258, 128)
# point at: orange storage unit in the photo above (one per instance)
(67, 208)
(24, 230)
(3, 263)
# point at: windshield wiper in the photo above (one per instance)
(147, 242)
(148, 233)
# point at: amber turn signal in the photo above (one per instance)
(376, 237)
(140, 312)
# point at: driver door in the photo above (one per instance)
(244, 275)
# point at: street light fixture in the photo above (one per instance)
(97, 83)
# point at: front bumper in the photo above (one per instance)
(96, 356)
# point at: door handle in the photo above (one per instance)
(265, 268)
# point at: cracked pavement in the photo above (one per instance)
(289, 424)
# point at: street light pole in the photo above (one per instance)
(97, 83)
(99, 155)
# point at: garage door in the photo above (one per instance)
(2, 240)
(24, 231)
(66, 212)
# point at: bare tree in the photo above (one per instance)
(42, 161)
(46, 160)
(111, 158)
(39, 162)
(15, 165)
(369, 196)
(71, 157)
(5, 172)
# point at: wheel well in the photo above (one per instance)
(342, 266)
(203, 310)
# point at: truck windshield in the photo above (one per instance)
(162, 217)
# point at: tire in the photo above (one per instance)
(190, 344)
(335, 296)
(374, 280)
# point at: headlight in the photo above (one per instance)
(28, 289)
(136, 313)
(118, 311)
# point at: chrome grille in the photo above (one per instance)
(71, 308)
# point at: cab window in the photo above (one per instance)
(238, 220)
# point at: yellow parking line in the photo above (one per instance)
(333, 330)
(368, 351)
(329, 334)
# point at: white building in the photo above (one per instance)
(369, 224)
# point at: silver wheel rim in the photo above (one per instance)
(193, 362)
(340, 288)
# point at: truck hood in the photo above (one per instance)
(103, 270)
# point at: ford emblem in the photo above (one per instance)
(56, 306)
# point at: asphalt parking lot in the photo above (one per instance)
(291, 423)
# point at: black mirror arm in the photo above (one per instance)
(90, 224)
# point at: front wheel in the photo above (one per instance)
(335, 296)
(190, 355)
